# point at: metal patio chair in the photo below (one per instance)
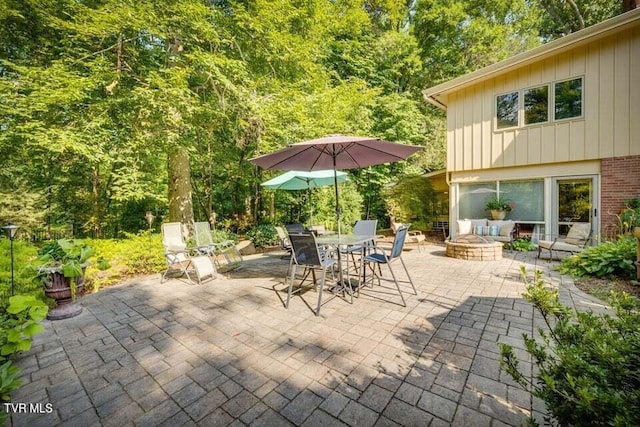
(380, 256)
(305, 254)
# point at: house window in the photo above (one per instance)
(568, 99)
(473, 199)
(507, 110)
(536, 105)
(527, 198)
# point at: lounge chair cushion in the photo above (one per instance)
(559, 246)
(578, 234)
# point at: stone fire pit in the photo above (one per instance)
(472, 247)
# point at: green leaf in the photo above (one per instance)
(72, 269)
(24, 345)
(33, 329)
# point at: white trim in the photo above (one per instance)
(539, 53)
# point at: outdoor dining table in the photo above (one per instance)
(346, 241)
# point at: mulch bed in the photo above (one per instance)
(601, 288)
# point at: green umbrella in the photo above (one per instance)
(303, 180)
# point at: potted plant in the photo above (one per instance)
(499, 207)
(61, 267)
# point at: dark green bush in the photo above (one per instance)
(588, 366)
(263, 235)
(607, 259)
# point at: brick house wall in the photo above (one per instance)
(620, 181)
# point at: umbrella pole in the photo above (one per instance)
(335, 185)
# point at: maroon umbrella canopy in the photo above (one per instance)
(335, 152)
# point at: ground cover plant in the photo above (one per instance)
(586, 365)
(19, 323)
(613, 258)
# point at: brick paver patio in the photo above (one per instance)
(228, 352)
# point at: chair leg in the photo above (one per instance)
(404, 304)
(293, 275)
(324, 273)
(408, 276)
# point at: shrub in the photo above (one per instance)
(220, 236)
(523, 245)
(607, 259)
(587, 365)
(263, 235)
(137, 254)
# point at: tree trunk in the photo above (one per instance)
(180, 203)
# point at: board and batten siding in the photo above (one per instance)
(610, 126)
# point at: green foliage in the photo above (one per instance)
(219, 236)
(263, 235)
(23, 254)
(8, 382)
(498, 204)
(607, 259)
(523, 245)
(136, 254)
(412, 199)
(586, 365)
(21, 323)
(18, 325)
(630, 216)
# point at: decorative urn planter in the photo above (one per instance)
(59, 288)
(496, 214)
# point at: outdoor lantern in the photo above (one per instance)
(11, 229)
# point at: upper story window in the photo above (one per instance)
(507, 110)
(536, 105)
(568, 99)
(533, 105)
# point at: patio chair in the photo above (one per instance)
(285, 244)
(362, 227)
(305, 254)
(206, 246)
(575, 241)
(380, 257)
(414, 236)
(294, 228)
(175, 250)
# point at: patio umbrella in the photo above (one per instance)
(335, 152)
(303, 180)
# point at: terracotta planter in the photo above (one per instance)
(498, 214)
(58, 287)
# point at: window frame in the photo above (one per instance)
(553, 101)
(495, 107)
(549, 105)
(551, 109)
